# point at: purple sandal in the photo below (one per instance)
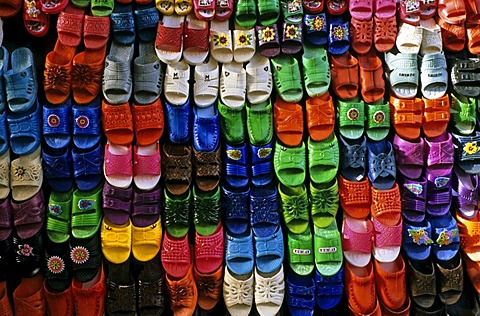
(6, 219)
(117, 203)
(292, 38)
(414, 199)
(409, 156)
(465, 193)
(268, 40)
(439, 152)
(439, 196)
(146, 207)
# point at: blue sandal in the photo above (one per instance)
(316, 27)
(24, 130)
(239, 253)
(87, 167)
(178, 122)
(4, 62)
(236, 166)
(86, 124)
(235, 206)
(269, 252)
(57, 168)
(300, 294)
(381, 165)
(264, 215)
(262, 164)
(338, 36)
(146, 21)
(329, 289)
(57, 124)
(3, 133)
(123, 24)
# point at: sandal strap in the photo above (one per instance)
(357, 241)
(196, 38)
(28, 174)
(378, 116)
(351, 114)
(146, 117)
(29, 212)
(89, 163)
(387, 236)
(96, 31)
(57, 167)
(117, 117)
(117, 76)
(56, 120)
(150, 293)
(148, 77)
(87, 120)
(299, 252)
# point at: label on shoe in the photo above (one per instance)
(301, 252)
(327, 250)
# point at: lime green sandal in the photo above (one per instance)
(300, 252)
(378, 121)
(102, 7)
(206, 210)
(58, 216)
(81, 3)
(324, 199)
(232, 123)
(246, 13)
(327, 244)
(260, 123)
(287, 78)
(294, 204)
(463, 113)
(290, 164)
(316, 70)
(351, 118)
(86, 212)
(323, 159)
(268, 12)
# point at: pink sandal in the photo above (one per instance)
(361, 10)
(117, 165)
(385, 9)
(146, 166)
(357, 237)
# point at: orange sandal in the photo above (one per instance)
(355, 197)
(320, 117)
(117, 123)
(148, 121)
(288, 119)
(28, 297)
(406, 116)
(436, 116)
(5, 306)
(345, 80)
(386, 207)
(469, 237)
(371, 74)
(59, 303)
(453, 35)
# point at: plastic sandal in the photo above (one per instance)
(345, 79)
(221, 45)
(87, 167)
(117, 78)
(28, 215)
(453, 35)
(232, 122)
(239, 254)
(102, 7)
(4, 65)
(118, 167)
(86, 257)
(118, 123)
(436, 116)
(204, 9)
(58, 65)
(262, 164)
(423, 296)
(235, 206)
(324, 201)
(392, 293)
(388, 240)
(86, 124)
(25, 130)
(86, 212)
(353, 156)
(434, 76)
(208, 296)
(450, 289)
(268, 12)
(269, 252)
(329, 289)
(288, 119)
(148, 76)
(116, 241)
(386, 206)
(357, 241)
(407, 117)
(446, 237)
(206, 218)
(10, 8)
(409, 39)
(146, 20)
(378, 121)
(260, 123)
(469, 244)
(371, 74)
(439, 196)
(28, 297)
(96, 32)
(206, 129)
(146, 211)
(123, 24)
(403, 74)
(182, 7)
(320, 117)
(259, 79)
(287, 78)
(382, 170)
(300, 252)
(117, 203)
(177, 166)
(5, 175)
(244, 45)
(464, 76)
(57, 168)
(264, 218)
(268, 40)
(292, 11)
(36, 21)
(465, 193)
(315, 27)
(59, 216)
(292, 38)
(440, 155)
(120, 298)
(148, 123)
(362, 37)
(209, 251)
(417, 240)
(294, 205)
(169, 40)
(336, 7)
(176, 115)
(167, 7)
(316, 71)
(235, 303)
(206, 83)
(473, 35)
(224, 9)
(57, 125)
(361, 10)
(428, 9)
(385, 9)
(290, 164)
(177, 213)
(432, 37)
(467, 155)
(233, 85)
(327, 245)
(304, 303)
(414, 198)
(323, 159)
(338, 36)
(246, 14)
(313, 6)
(409, 156)
(410, 11)
(236, 166)
(195, 40)
(453, 12)
(276, 285)
(355, 197)
(53, 7)
(351, 116)
(146, 241)
(176, 88)
(58, 278)
(385, 33)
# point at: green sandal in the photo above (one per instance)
(292, 11)
(81, 3)
(232, 123)
(316, 70)
(327, 244)
(58, 216)
(260, 123)
(300, 252)
(268, 12)
(323, 159)
(463, 113)
(206, 210)
(86, 212)
(290, 164)
(325, 201)
(294, 204)
(246, 13)
(102, 7)
(177, 213)
(378, 121)
(351, 117)
(287, 78)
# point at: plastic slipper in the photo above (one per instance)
(4, 65)
(53, 7)
(117, 203)
(224, 9)
(204, 9)
(177, 180)
(292, 38)
(313, 6)
(86, 212)
(58, 65)
(116, 241)
(287, 78)
(381, 161)
(290, 164)
(417, 240)
(25, 130)
(292, 11)
(324, 201)
(96, 32)
(464, 77)
(28, 260)
(166, 7)
(5, 175)
(117, 78)
(388, 239)
(361, 10)
(148, 122)
(410, 11)
(439, 196)
(371, 74)
(146, 210)
(385, 9)
(453, 35)
(320, 117)
(244, 45)
(146, 241)
(409, 39)
(345, 79)
(177, 213)
(87, 167)
(465, 193)
(300, 252)
(264, 220)
(434, 76)
(176, 88)
(453, 12)
(262, 163)
(57, 168)
(269, 252)
(182, 7)
(428, 9)
(467, 154)
(440, 155)
(146, 20)
(239, 255)
(236, 167)
(386, 206)
(260, 125)
(36, 22)
(385, 33)
(351, 118)
(327, 245)
(407, 116)
(206, 119)
(207, 153)
(329, 289)
(259, 79)
(403, 74)
(233, 84)
(323, 159)
(231, 285)
(463, 113)
(206, 83)
(288, 122)
(195, 40)
(118, 123)
(57, 125)
(206, 219)
(315, 27)
(467, 230)
(10, 8)
(268, 40)
(473, 35)
(268, 12)
(59, 211)
(446, 237)
(300, 304)
(169, 40)
(336, 7)
(353, 158)
(86, 124)
(176, 116)
(362, 35)
(338, 36)
(221, 46)
(102, 7)
(432, 37)
(26, 175)
(118, 167)
(409, 156)
(316, 71)
(123, 24)
(294, 205)
(21, 81)
(235, 206)
(413, 197)
(378, 121)
(357, 240)
(209, 251)
(148, 75)
(86, 257)
(246, 14)
(436, 116)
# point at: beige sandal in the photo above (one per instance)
(26, 176)
(4, 175)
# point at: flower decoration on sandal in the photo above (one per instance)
(85, 204)
(79, 255)
(445, 236)
(267, 34)
(420, 236)
(25, 250)
(55, 264)
(220, 40)
(292, 32)
(244, 39)
(317, 23)
(340, 32)
(471, 148)
(55, 209)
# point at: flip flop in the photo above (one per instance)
(123, 24)
(176, 87)
(86, 124)
(244, 45)
(233, 85)
(268, 12)
(324, 201)
(86, 212)
(327, 245)
(409, 39)
(436, 116)
(371, 74)
(148, 122)
(169, 40)
(300, 252)
(117, 77)
(268, 40)
(57, 168)
(432, 37)
(25, 130)
(221, 46)
(294, 205)
(323, 159)
(195, 40)
(246, 13)
(259, 79)
(117, 166)
(182, 7)
(315, 27)
(378, 121)
(351, 118)
(26, 175)
(434, 76)
(36, 22)
(59, 216)
(287, 78)
(148, 75)
(357, 240)
(290, 164)
(87, 167)
(118, 123)
(204, 9)
(338, 35)
(316, 71)
(402, 73)
(345, 78)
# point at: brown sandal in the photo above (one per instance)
(177, 167)
(207, 169)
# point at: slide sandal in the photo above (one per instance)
(86, 126)
(269, 252)
(384, 33)
(292, 38)
(323, 159)
(116, 246)
(86, 212)
(183, 7)
(176, 88)
(463, 112)
(290, 164)
(361, 34)
(402, 72)
(436, 116)
(453, 35)
(117, 77)
(410, 11)
(294, 208)
(345, 78)
(221, 46)
(428, 9)
(465, 192)
(357, 237)
(25, 130)
(259, 79)
(338, 35)
(148, 122)
(36, 22)
(233, 85)
(57, 168)
(371, 76)
(467, 154)
(53, 7)
(288, 119)
(26, 175)
(300, 252)
(235, 204)
(378, 121)
(409, 39)
(206, 218)
(169, 40)
(246, 13)
(385, 9)
(320, 116)
(287, 78)
(409, 156)
(452, 11)
(117, 203)
(195, 40)
(146, 168)
(351, 118)
(414, 198)
(324, 200)
(117, 166)
(146, 241)
(264, 218)
(87, 167)
(386, 208)
(146, 21)
(327, 246)
(262, 163)
(313, 6)
(59, 212)
(440, 159)
(464, 77)
(177, 179)
(473, 34)
(268, 40)
(96, 32)
(315, 28)
(117, 123)
(206, 83)
(148, 75)
(382, 170)
(146, 209)
(166, 7)
(57, 124)
(5, 175)
(102, 7)
(337, 7)
(224, 9)
(244, 45)
(361, 10)
(239, 253)
(353, 158)
(432, 37)
(292, 11)
(123, 24)
(10, 8)
(434, 76)
(268, 12)
(204, 9)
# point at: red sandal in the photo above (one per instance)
(35, 20)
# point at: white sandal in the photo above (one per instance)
(238, 294)
(233, 85)
(432, 37)
(409, 39)
(243, 45)
(176, 87)
(269, 292)
(206, 83)
(259, 79)
(221, 46)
